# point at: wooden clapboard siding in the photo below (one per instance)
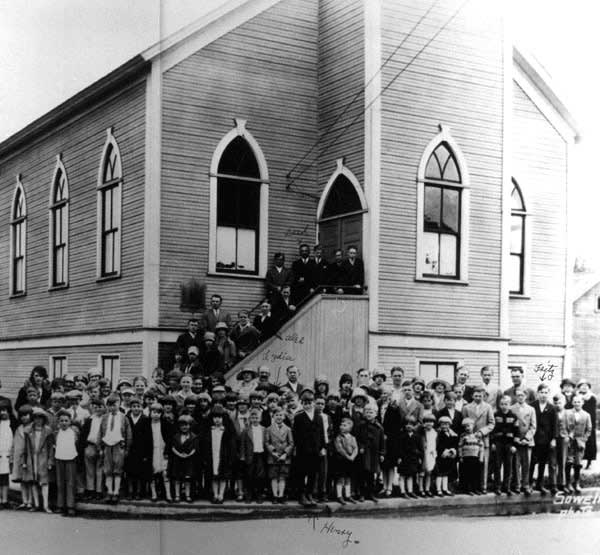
(301, 341)
(16, 364)
(265, 72)
(341, 78)
(408, 359)
(586, 337)
(456, 81)
(85, 304)
(540, 167)
(532, 378)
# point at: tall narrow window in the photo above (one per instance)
(517, 241)
(442, 216)
(58, 366)
(18, 231)
(110, 366)
(109, 210)
(59, 228)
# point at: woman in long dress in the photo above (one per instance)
(589, 406)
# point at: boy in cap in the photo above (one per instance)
(447, 452)
(90, 435)
(115, 440)
(503, 445)
(65, 459)
(252, 455)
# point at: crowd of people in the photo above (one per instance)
(179, 438)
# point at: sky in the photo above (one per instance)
(51, 49)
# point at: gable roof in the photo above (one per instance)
(540, 78)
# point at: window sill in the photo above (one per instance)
(234, 275)
(443, 281)
(58, 287)
(17, 295)
(108, 278)
(519, 296)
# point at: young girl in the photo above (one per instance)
(589, 406)
(411, 458)
(429, 438)
(391, 419)
(447, 451)
(161, 438)
(19, 459)
(219, 449)
(346, 451)
(6, 446)
(39, 443)
(427, 402)
(280, 444)
(183, 449)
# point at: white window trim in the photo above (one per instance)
(110, 141)
(527, 242)
(432, 360)
(463, 277)
(59, 167)
(51, 364)
(100, 366)
(18, 188)
(263, 227)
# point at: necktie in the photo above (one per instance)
(112, 422)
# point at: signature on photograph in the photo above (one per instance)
(330, 528)
(545, 370)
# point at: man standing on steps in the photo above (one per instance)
(191, 338)
(304, 275)
(293, 384)
(321, 269)
(277, 276)
(264, 322)
(283, 307)
(215, 314)
(354, 270)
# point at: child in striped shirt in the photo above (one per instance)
(470, 452)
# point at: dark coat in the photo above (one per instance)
(444, 465)
(227, 455)
(456, 424)
(336, 274)
(591, 449)
(354, 273)
(246, 339)
(321, 272)
(266, 327)
(246, 444)
(309, 436)
(304, 279)
(275, 280)
(138, 464)
(371, 445)
(183, 468)
(281, 310)
(185, 341)
(411, 454)
(546, 424)
(22, 397)
(209, 319)
(392, 427)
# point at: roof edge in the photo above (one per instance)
(542, 81)
(126, 72)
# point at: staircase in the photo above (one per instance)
(328, 336)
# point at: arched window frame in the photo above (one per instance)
(56, 209)
(463, 186)
(523, 215)
(263, 240)
(342, 169)
(110, 235)
(18, 234)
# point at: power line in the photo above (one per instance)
(363, 89)
(392, 81)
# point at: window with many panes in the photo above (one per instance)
(441, 215)
(518, 217)
(110, 366)
(238, 209)
(18, 241)
(109, 211)
(59, 228)
(432, 370)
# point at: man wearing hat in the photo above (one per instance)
(309, 439)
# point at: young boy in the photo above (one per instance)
(322, 479)
(371, 449)
(65, 459)
(345, 453)
(503, 444)
(115, 441)
(279, 445)
(579, 428)
(562, 441)
(447, 452)
(252, 454)
(90, 436)
(470, 453)
(410, 457)
(544, 439)
(138, 464)
(526, 423)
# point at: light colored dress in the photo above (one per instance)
(18, 454)
(159, 461)
(6, 445)
(429, 450)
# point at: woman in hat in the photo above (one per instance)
(376, 388)
(567, 388)
(39, 380)
(247, 381)
(321, 386)
(225, 346)
(39, 443)
(346, 389)
(183, 449)
(589, 405)
(19, 459)
(438, 388)
(418, 385)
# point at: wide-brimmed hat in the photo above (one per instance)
(321, 379)
(417, 380)
(245, 370)
(586, 381)
(193, 349)
(359, 392)
(221, 326)
(209, 336)
(433, 383)
(567, 381)
(94, 372)
(380, 373)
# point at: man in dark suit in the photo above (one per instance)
(321, 269)
(354, 270)
(292, 383)
(277, 276)
(215, 314)
(309, 441)
(462, 375)
(283, 307)
(516, 375)
(544, 438)
(337, 273)
(265, 322)
(304, 275)
(191, 338)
